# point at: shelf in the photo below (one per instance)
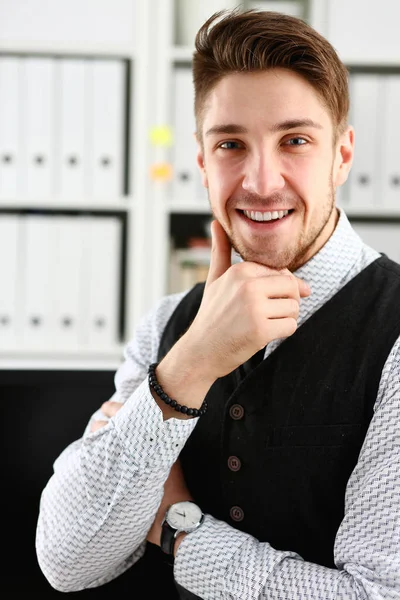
(378, 212)
(50, 359)
(118, 204)
(189, 208)
(58, 48)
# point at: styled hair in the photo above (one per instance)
(241, 42)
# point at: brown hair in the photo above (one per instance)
(234, 41)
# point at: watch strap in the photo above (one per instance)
(167, 539)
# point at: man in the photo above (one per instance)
(273, 395)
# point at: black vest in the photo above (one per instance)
(273, 454)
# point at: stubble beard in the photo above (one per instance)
(300, 251)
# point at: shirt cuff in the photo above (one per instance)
(151, 441)
(203, 557)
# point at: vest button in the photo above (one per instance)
(236, 513)
(236, 411)
(234, 463)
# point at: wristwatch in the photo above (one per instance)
(181, 517)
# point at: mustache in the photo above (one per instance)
(270, 203)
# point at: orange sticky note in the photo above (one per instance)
(161, 171)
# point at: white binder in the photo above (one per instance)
(68, 281)
(390, 159)
(102, 281)
(105, 128)
(366, 106)
(71, 151)
(187, 186)
(10, 156)
(38, 95)
(39, 244)
(191, 14)
(9, 280)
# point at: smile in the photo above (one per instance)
(265, 216)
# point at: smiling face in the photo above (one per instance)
(271, 165)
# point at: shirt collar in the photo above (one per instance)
(342, 257)
(339, 260)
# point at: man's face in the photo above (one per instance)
(271, 167)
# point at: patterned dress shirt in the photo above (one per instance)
(101, 500)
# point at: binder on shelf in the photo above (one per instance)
(68, 282)
(39, 243)
(191, 14)
(10, 273)
(10, 97)
(38, 119)
(187, 187)
(102, 281)
(366, 106)
(105, 128)
(390, 161)
(71, 149)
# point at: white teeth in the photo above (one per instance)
(266, 216)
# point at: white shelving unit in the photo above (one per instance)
(142, 32)
(119, 29)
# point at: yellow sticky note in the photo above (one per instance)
(161, 136)
(161, 171)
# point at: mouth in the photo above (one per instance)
(266, 218)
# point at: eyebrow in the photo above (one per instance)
(232, 128)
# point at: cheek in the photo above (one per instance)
(223, 179)
(310, 178)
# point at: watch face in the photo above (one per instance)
(184, 516)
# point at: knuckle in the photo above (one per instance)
(291, 325)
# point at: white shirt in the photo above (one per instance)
(106, 488)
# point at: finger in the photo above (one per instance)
(97, 425)
(110, 408)
(221, 253)
(281, 328)
(282, 308)
(278, 286)
(304, 288)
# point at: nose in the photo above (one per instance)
(263, 173)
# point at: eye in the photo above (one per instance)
(296, 141)
(230, 145)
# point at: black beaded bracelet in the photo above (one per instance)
(186, 410)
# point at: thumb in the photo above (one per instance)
(221, 253)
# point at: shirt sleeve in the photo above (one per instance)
(219, 562)
(106, 487)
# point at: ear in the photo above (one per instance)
(343, 157)
(200, 161)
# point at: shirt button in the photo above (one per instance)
(236, 411)
(236, 513)
(234, 463)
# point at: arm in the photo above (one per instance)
(219, 562)
(83, 535)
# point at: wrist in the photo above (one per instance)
(183, 379)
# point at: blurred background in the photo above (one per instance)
(101, 207)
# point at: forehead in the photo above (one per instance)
(263, 99)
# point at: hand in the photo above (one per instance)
(244, 307)
(175, 490)
(109, 409)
